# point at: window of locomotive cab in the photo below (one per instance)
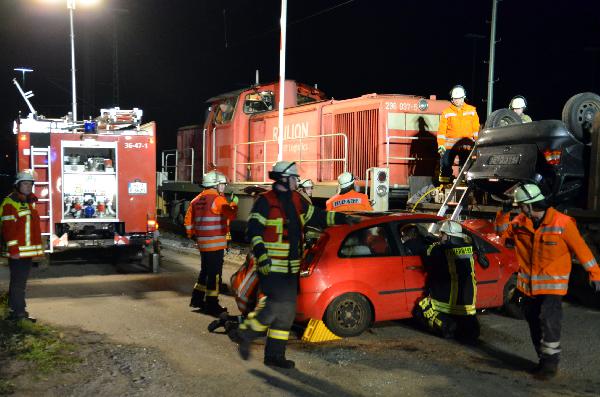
(257, 102)
(224, 110)
(302, 99)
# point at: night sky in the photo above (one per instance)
(175, 54)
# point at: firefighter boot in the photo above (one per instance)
(275, 354)
(212, 306)
(546, 370)
(197, 301)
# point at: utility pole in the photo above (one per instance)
(475, 38)
(490, 93)
(115, 55)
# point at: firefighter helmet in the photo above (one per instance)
(518, 102)
(452, 228)
(306, 183)
(458, 91)
(221, 178)
(210, 179)
(24, 176)
(283, 169)
(345, 179)
(527, 194)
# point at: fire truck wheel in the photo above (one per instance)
(510, 305)
(349, 315)
(578, 114)
(502, 118)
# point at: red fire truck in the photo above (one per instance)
(381, 138)
(95, 180)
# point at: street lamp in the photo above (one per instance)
(71, 6)
(23, 71)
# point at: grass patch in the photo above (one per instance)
(41, 346)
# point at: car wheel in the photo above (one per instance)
(578, 114)
(502, 118)
(510, 305)
(348, 315)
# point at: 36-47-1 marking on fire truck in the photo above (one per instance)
(401, 106)
(135, 145)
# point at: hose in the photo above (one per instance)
(425, 195)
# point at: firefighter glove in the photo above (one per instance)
(441, 150)
(352, 220)
(234, 199)
(596, 285)
(264, 267)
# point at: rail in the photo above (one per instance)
(264, 143)
(168, 167)
(388, 141)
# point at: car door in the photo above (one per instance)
(372, 258)
(487, 270)
(412, 259)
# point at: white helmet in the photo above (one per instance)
(528, 194)
(306, 183)
(283, 169)
(452, 228)
(457, 92)
(210, 179)
(25, 175)
(345, 179)
(221, 178)
(517, 102)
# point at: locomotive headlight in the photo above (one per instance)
(381, 190)
(381, 176)
(422, 104)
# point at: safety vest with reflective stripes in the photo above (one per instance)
(20, 223)
(451, 278)
(275, 236)
(206, 219)
(456, 124)
(349, 201)
(501, 222)
(544, 253)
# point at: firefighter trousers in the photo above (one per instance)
(462, 327)
(19, 272)
(209, 279)
(461, 150)
(275, 314)
(544, 317)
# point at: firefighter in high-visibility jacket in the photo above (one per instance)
(275, 227)
(348, 199)
(544, 240)
(458, 129)
(22, 240)
(206, 223)
(449, 309)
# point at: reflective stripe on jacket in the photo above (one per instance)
(456, 124)
(451, 278)
(207, 218)
(544, 254)
(275, 236)
(349, 201)
(20, 223)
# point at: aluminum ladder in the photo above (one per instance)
(458, 185)
(44, 180)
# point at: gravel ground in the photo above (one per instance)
(139, 337)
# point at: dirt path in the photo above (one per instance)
(150, 311)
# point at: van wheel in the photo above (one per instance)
(578, 114)
(348, 315)
(510, 305)
(502, 118)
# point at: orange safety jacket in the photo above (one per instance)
(456, 124)
(349, 201)
(20, 223)
(544, 253)
(207, 219)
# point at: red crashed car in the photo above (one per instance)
(357, 275)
